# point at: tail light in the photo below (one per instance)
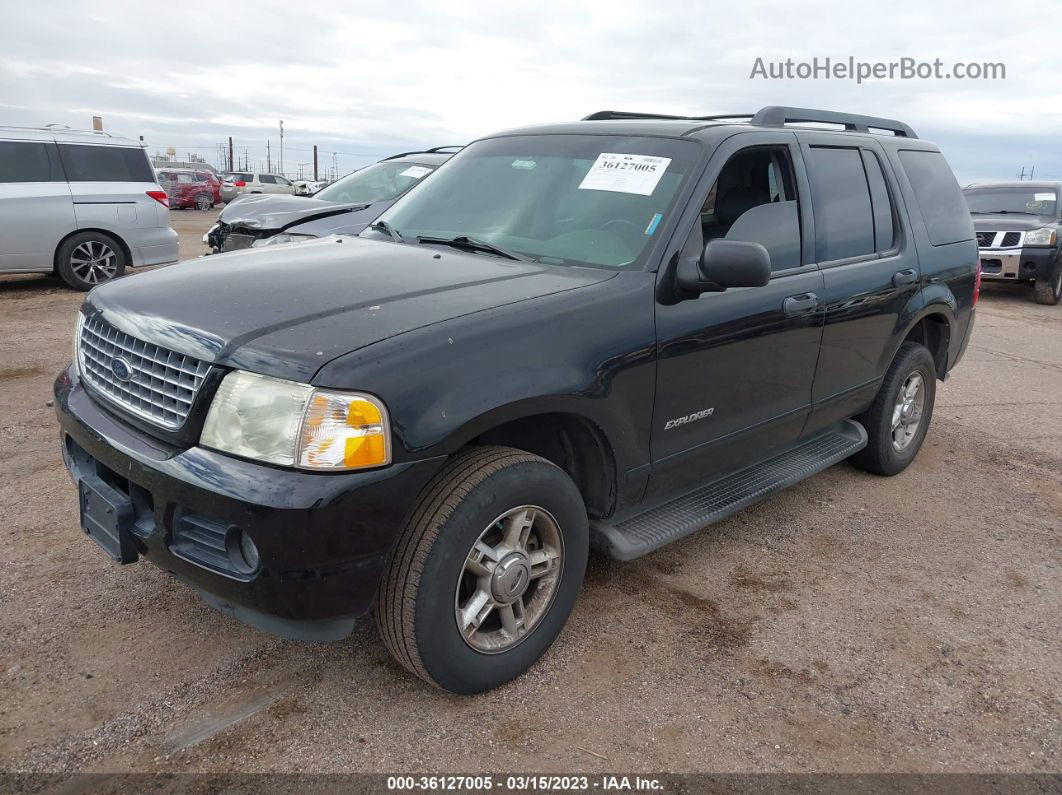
(160, 196)
(977, 284)
(240, 184)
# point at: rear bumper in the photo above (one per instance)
(322, 539)
(156, 246)
(1017, 264)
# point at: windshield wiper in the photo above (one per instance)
(472, 244)
(383, 226)
(1003, 212)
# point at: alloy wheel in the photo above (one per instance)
(509, 579)
(94, 262)
(907, 413)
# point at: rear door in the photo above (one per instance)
(735, 368)
(35, 207)
(869, 263)
(109, 185)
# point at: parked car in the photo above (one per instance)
(229, 191)
(307, 187)
(1018, 226)
(187, 189)
(82, 205)
(605, 333)
(254, 182)
(215, 185)
(345, 207)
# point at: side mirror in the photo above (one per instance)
(726, 263)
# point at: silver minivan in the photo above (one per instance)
(82, 205)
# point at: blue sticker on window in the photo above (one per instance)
(653, 224)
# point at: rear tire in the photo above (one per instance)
(898, 419)
(203, 201)
(1049, 292)
(486, 571)
(87, 259)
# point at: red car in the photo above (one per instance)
(189, 189)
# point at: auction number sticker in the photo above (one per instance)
(625, 173)
(415, 171)
(1044, 197)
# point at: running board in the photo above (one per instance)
(671, 521)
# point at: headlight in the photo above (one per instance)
(283, 237)
(291, 424)
(1044, 236)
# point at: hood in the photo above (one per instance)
(350, 222)
(287, 310)
(1010, 222)
(262, 211)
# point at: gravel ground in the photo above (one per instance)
(851, 623)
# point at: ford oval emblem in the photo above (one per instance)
(122, 370)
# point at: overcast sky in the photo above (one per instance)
(366, 80)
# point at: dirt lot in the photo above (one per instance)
(852, 623)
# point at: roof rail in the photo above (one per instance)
(776, 116)
(779, 116)
(437, 150)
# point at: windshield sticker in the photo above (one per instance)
(625, 173)
(415, 171)
(1044, 197)
(526, 165)
(653, 224)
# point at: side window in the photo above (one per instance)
(884, 212)
(185, 178)
(281, 181)
(26, 162)
(94, 163)
(755, 200)
(938, 196)
(843, 212)
(267, 179)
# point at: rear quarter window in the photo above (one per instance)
(28, 161)
(938, 196)
(96, 163)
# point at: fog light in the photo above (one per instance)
(249, 552)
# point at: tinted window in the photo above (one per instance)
(884, 231)
(843, 213)
(105, 164)
(26, 162)
(267, 179)
(1008, 198)
(242, 177)
(938, 196)
(281, 181)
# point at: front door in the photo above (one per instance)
(735, 368)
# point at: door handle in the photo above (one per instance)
(900, 278)
(800, 304)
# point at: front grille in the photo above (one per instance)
(984, 239)
(1011, 239)
(161, 385)
(998, 239)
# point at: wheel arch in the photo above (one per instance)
(933, 327)
(113, 235)
(565, 437)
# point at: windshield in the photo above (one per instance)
(560, 199)
(376, 183)
(1032, 201)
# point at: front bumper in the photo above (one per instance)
(322, 538)
(1016, 264)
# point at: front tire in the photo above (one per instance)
(486, 572)
(1049, 291)
(87, 259)
(898, 419)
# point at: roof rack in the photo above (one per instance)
(777, 116)
(435, 150)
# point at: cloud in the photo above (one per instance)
(366, 81)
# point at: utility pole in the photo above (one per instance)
(269, 160)
(281, 146)
(315, 162)
(230, 154)
(1021, 176)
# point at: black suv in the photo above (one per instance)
(607, 333)
(1018, 226)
